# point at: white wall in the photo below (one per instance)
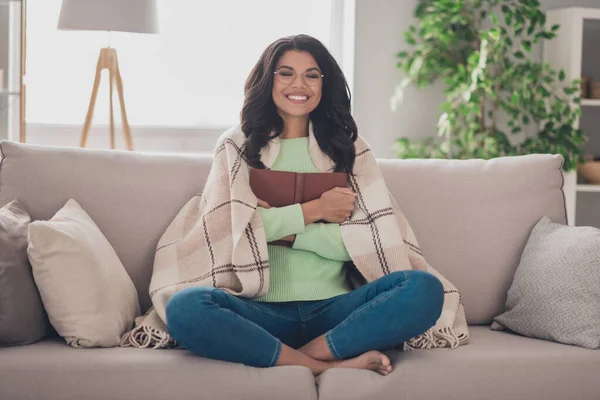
(379, 28)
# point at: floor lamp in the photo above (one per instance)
(139, 16)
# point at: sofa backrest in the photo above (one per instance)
(472, 217)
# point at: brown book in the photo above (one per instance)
(283, 188)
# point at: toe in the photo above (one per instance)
(385, 360)
(387, 368)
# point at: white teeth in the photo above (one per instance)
(299, 98)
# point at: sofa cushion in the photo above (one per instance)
(32, 372)
(555, 294)
(472, 218)
(23, 319)
(89, 297)
(493, 366)
(131, 196)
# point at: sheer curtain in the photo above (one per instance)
(191, 74)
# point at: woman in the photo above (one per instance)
(310, 316)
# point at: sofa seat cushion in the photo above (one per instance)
(51, 369)
(494, 365)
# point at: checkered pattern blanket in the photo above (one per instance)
(217, 239)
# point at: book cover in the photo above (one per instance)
(283, 188)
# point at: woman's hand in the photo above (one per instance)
(263, 204)
(289, 238)
(337, 204)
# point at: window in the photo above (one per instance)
(190, 74)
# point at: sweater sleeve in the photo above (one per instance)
(280, 222)
(323, 239)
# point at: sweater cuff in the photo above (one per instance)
(293, 219)
(306, 240)
(280, 222)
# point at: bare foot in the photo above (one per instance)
(372, 360)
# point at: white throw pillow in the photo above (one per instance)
(89, 297)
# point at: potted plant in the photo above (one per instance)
(481, 50)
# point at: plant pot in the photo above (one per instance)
(595, 90)
(585, 87)
(590, 171)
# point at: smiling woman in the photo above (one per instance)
(296, 118)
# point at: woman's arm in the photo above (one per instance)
(286, 222)
(280, 222)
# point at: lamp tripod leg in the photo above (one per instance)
(126, 128)
(90, 112)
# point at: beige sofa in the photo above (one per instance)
(472, 219)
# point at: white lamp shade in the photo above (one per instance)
(139, 16)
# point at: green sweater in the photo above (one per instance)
(312, 268)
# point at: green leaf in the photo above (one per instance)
(561, 75)
(546, 35)
(494, 34)
(494, 19)
(515, 98)
(402, 54)
(541, 15)
(516, 129)
(525, 119)
(555, 27)
(519, 54)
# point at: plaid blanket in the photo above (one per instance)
(217, 239)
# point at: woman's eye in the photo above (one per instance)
(285, 73)
(312, 76)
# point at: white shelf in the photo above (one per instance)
(590, 102)
(588, 188)
(566, 52)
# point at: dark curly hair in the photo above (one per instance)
(333, 125)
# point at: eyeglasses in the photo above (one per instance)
(287, 76)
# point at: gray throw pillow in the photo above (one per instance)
(555, 293)
(23, 319)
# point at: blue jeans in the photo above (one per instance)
(377, 316)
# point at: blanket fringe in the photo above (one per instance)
(144, 336)
(444, 337)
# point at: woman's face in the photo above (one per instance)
(297, 84)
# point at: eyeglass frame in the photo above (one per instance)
(303, 74)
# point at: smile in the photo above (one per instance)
(296, 98)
